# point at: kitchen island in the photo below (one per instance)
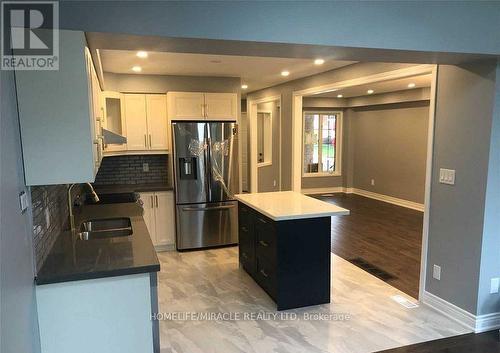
(284, 244)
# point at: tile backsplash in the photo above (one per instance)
(50, 217)
(130, 170)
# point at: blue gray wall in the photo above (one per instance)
(18, 318)
(442, 26)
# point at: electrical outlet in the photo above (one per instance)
(447, 176)
(436, 272)
(145, 167)
(275, 183)
(373, 182)
(495, 283)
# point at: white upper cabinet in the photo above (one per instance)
(202, 106)
(156, 107)
(135, 121)
(146, 122)
(221, 106)
(113, 120)
(186, 105)
(60, 139)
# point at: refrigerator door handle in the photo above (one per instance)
(204, 209)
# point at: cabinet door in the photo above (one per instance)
(164, 215)
(156, 106)
(112, 104)
(148, 199)
(186, 106)
(135, 121)
(221, 106)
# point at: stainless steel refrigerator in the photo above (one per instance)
(205, 180)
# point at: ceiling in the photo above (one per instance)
(420, 81)
(256, 72)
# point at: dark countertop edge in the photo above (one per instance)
(96, 275)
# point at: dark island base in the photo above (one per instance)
(289, 259)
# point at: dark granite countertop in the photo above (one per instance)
(72, 259)
(121, 188)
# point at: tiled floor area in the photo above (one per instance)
(211, 281)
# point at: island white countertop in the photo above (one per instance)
(285, 205)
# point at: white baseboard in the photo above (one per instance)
(329, 190)
(475, 323)
(372, 195)
(389, 199)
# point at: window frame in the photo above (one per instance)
(338, 143)
(268, 141)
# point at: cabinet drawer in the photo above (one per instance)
(247, 249)
(244, 216)
(265, 239)
(265, 276)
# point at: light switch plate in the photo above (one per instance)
(145, 167)
(436, 272)
(23, 201)
(495, 283)
(447, 176)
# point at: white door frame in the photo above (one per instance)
(385, 76)
(252, 125)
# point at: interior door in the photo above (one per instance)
(135, 121)
(190, 163)
(222, 176)
(221, 106)
(156, 105)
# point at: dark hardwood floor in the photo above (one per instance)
(384, 235)
(487, 342)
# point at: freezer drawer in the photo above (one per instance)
(207, 225)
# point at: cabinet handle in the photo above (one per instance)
(152, 204)
(150, 144)
(156, 199)
(244, 229)
(244, 254)
(264, 273)
(262, 220)
(145, 141)
(206, 110)
(263, 243)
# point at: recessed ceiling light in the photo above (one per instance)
(370, 91)
(244, 86)
(285, 73)
(339, 96)
(411, 85)
(319, 62)
(136, 68)
(142, 54)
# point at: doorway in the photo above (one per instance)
(336, 89)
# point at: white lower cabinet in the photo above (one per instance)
(159, 217)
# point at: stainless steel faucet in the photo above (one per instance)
(70, 203)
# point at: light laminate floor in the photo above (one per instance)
(212, 282)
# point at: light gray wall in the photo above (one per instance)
(463, 27)
(268, 174)
(390, 146)
(490, 259)
(18, 315)
(464, 108)
(286, 89)
(165, 83)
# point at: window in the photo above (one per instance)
(264, 138)
(322, 143)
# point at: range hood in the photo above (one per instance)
(112, 138)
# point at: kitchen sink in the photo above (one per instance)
(105, 228)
